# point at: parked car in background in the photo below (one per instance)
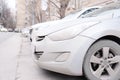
(26, 31)
(10, 30)
(2, 29)
(89, 45)
(74, 15)
(17, 30)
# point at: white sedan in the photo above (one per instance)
(89, 46)
(74, 15)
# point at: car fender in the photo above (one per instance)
(105, 28)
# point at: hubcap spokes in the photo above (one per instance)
(104, 62)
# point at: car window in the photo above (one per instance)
(72, 15)
(78, 14)
(88, 11)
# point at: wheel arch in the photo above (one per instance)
(111, 38)
(107, 37)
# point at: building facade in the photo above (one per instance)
(29, 13)
(21, 14)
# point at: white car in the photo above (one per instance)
(26, 32)
(89, 46)
(74, 15)
(3, 29)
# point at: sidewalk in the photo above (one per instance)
(9, 51)
(27, 68)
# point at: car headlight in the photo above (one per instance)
(40, 38)
(70, 32)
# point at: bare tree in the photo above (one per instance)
(6, 17)
(33, 8)
(3, 10)
(11, 23)
(37, 15)
(61, 6)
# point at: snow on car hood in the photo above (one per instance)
(37, 28)
(58, 25)
(44, 24)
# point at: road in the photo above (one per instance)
(9, 51)
(17, 62)
(5, 35)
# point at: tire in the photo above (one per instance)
(102, 61)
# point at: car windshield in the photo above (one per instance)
(72, 15)
(80, 13)
(98, 12)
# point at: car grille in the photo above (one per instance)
(40, 38)
(31, 31)
(38, 54)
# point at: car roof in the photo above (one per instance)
(111, 6)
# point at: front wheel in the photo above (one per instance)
(102, 61)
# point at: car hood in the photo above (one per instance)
(40, 27)
(62, 24)
(47, 24)
(42, 24)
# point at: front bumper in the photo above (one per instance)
(62, 56)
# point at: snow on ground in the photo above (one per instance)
(4, 36)
(9, 51)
